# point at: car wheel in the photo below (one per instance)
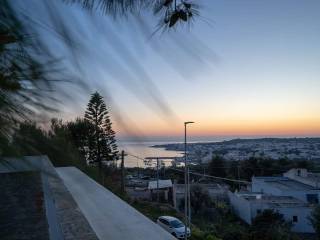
(174, 234)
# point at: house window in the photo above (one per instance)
(312, 198)
(258, 211)
(294, 218)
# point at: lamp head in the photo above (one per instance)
(185, 123)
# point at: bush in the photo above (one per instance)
(270, 225)
(197, 234)
(210, 237)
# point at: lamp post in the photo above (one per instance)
(186, 181)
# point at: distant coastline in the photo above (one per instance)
(240, 140)
(294, 148)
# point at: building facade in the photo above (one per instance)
(293, 195)
(248, 205)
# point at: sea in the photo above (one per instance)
(136, 152)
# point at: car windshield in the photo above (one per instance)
(176, 224)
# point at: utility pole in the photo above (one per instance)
(238, 169)
(122, 172)
(159, 162)
(157, 179)
(189, 199)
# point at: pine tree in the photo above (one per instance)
(102, 144)
(110, 138)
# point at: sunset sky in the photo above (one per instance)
(258, 74)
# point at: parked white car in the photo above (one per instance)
(173, 226)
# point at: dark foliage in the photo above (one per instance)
(270, 225)
(80, 131)
(200, 199)
(57, 143)
(26, 72)
(171, 11)
(315, 220)
(217, 166)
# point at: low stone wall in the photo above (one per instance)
(22, 208)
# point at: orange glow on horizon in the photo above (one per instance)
(284, 127)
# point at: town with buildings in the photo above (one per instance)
(240, 149)
(294, 195)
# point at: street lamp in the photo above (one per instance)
(186, 182)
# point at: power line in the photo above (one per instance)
(210, 176)
(203, 175)
(129, 154)
(197, 174)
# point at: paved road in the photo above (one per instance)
(109, 216)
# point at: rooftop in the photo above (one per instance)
(162, 184)
(271, 200)
(284, 183)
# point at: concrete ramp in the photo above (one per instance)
(110, 217)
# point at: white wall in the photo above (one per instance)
(303, 225)
(241, 207)
(247, 210)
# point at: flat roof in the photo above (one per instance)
(273, 201)
(291, 185)
(285, 183)
(162, 184)
(109, 216)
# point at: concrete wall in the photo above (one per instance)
(241, 207)
(303, 225)
(302, 172)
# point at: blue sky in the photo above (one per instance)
(244, 67)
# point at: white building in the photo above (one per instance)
(161, 187)
(292, 195)
(248, 205)
(303, 176)
(302, 188)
